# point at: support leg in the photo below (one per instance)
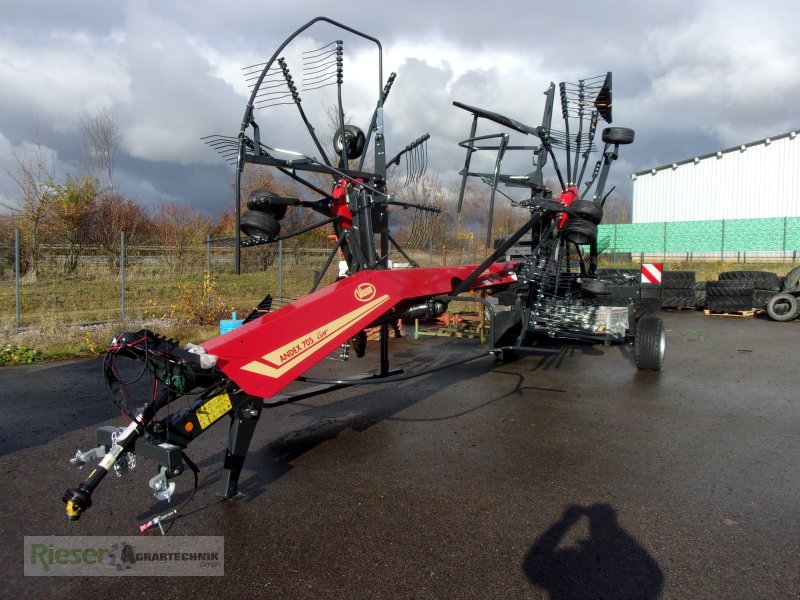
(243, 424)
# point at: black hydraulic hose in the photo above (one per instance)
(392, 378)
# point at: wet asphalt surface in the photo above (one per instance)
(567, 476)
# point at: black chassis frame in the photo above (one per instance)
(552, 283)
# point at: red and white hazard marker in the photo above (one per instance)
(651, 273)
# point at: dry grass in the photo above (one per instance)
(186, 307)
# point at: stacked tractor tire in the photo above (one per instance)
(734, 291)
(742, 290)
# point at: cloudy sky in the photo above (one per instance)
(690, 77)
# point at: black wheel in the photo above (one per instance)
(792, 279)
(267, 201)
(678, 299)
(729, 288)
(507, 327)
(649, 305)
(257, 223)
(649, 343)
(618, 135)
(354, 140)
(700, 294)
(761, 280)
(761, 297)
(586, 209)
(580, 231)
(782, 307)
(598, 287)
(730, 303)
(678, 280)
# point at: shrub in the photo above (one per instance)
(12, 354)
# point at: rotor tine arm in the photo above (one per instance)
(296, 97)
(373, 122)
(592, 129)
(565, 113)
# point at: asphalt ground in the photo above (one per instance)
(566, 476)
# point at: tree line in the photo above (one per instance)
(84, 211)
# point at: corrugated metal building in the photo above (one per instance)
(756, 180)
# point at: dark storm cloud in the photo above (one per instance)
(690, 77)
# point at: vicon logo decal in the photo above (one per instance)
(365, 292)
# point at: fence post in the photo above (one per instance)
(722, 244)
(16, 277)
(783, 254)
(208, 254)
(280, 272)
(122, 270)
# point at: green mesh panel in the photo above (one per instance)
(696, 236)
(733, 235)
(793, 234)
(743, 235)
(640, 237)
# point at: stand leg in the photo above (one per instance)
(243, 424)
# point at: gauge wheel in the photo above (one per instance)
(259, 224)
(586, 209)
(649, 343)
(618, 135)
(579, 231)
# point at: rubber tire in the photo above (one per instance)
(761, 280)
(507, 327)
(267, 201)
(700, 299)
(618, 135)
(678, 299)
(774, 307)
(579, 231)
(678, 280)
(792, 279)
(729, 288)
(586, 209)
(649, 343)
(761, 297)
(730, 303)
(353, 137)
(259, 224)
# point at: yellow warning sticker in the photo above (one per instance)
(213, 410)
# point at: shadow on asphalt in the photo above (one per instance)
(356, 413)
(610, 563)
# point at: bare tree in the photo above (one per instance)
(34, 176)
(182, 229)
(618, 209)
(100, 133)
(113, 215)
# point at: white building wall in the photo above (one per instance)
(761, 180)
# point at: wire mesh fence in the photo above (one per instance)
(65, 280)
(83, 281)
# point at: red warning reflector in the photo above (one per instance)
(651, 273)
